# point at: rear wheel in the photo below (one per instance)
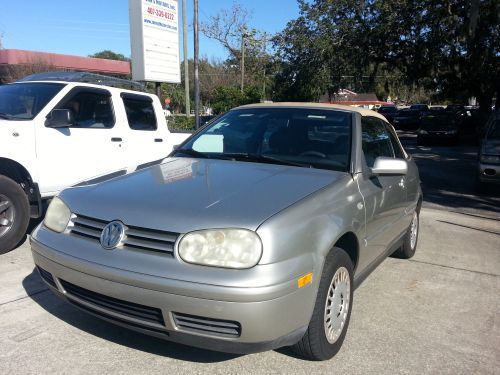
(332, 311)
(411, 238)
(14, 214)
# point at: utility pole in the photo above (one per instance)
(243, 61)
(158, 90)
(186, 69)
(264, 78)
(196, 72)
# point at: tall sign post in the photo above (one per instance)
(154, 37)
(196, 64)
(186, 69)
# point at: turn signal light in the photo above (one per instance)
(304, 280)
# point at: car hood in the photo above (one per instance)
(185, 194)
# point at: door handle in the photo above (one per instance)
(158, 139)
(116, 139)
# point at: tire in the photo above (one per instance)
(315, 345)
(14, 214)
(409, 247)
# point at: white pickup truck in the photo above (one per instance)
(57, 130)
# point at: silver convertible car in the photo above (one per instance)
(251, 235)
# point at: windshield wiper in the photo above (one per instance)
(5, 116)
(264, 159)
(190, 152)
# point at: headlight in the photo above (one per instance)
(57, 216)
(421, 131)
(229, 248)
(454, 131)
(490, 158)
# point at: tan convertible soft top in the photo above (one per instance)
(361, 111)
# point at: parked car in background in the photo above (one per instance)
(407, 119)
(56, 130)
(205, 119)
(436, 109)
(389, 112)
(420, 107)
(458, 111)
(253, 235)
(455, 108)
(438, 126)
(489, 155)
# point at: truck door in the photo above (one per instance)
(145, 141)
(385, 196)
(90, 147)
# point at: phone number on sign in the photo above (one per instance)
(160, 13)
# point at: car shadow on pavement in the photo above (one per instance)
(40, 293)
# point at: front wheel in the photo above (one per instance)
(332, 311)
(14, 214)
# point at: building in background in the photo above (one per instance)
(15, 64)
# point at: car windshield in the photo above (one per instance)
(312, 138)
(23, 101)
(494, 131)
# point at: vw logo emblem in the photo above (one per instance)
(112, 235)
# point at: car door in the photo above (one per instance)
(90, 147)
(145, 142)
(384, 195)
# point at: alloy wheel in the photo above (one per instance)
(337, 305)
(414, 230)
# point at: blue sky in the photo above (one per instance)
(85, 27)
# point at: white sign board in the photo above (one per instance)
(154, 35)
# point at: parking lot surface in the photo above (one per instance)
(436, 313)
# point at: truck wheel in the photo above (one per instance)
(14, 214)
(332, 311)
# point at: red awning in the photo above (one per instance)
(67, 62)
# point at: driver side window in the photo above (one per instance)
(91, 108)
(375, 140)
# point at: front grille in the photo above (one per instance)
(141, 313)
(216, 327)
(135, 237)
(118, 320)
(47, 277)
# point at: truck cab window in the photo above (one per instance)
(140, 112)
(91, 109)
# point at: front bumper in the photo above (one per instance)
(259, 326)
(489, 172)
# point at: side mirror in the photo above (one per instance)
(389, 166)
(60, 118)
(175, 147)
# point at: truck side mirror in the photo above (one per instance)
(60, 118)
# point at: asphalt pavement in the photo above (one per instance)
(436, 313)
